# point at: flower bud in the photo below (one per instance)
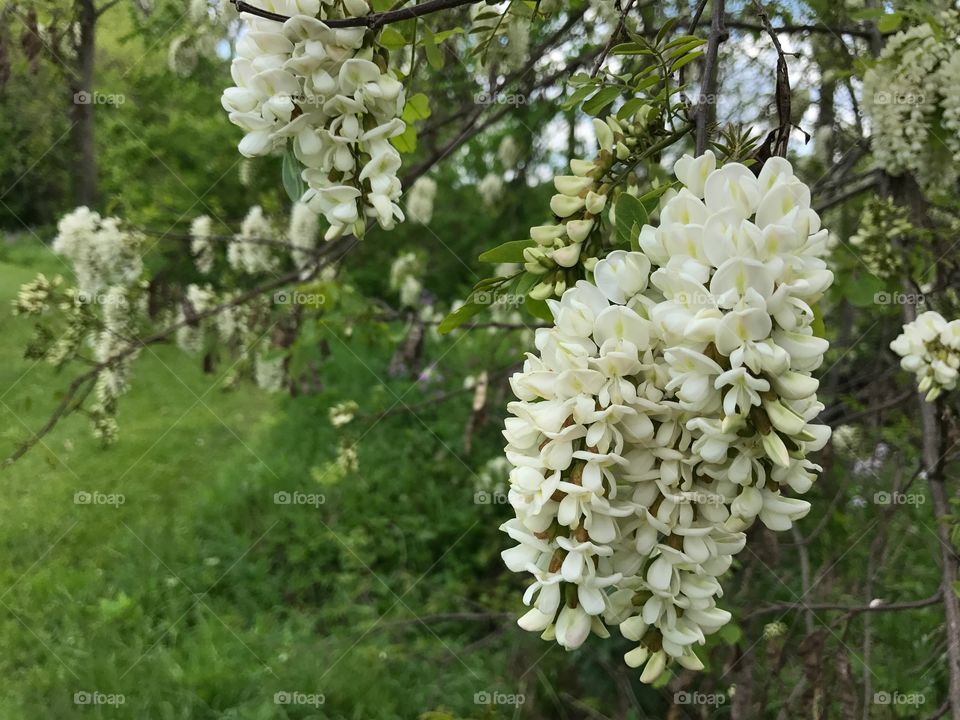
(595, 202)
(565, 206)
(571, 185)
(578, 230)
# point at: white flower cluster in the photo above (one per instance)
(329, 92)
(303, 232)
(270, 372)
(912, 97)
(342, 413)
(503, 33)
(490, 189)
(420, 200)
(250, 250)
(121, 311)
(930, 349)
(578, 204)
(666, 411)
(200, 246)
(36, 296)
(101, 252)
(191, 335)
(405, 278)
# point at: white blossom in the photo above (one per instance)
(649, 430)
(929, 348)
(325, 92)
(420, 200)
(200, 246)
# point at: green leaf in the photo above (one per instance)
(430, 46)
(629, 212)
(685, 60)
(407, 141)
(577, 97)
(630, 107)
(525, 283)
(603, 97)
(889, 23)
(538, 308)
(509, 252)
(290, 174)
(416, 108)
(730, 633)
(459, 316)
(665, 29)
(391, 38)
(630, 49)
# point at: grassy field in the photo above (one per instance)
(161, 573)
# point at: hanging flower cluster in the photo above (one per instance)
(191, 335)
(578, 204)
(250, 250)
(406, 278)
(200, 246)
(329, 92)
(302, 233)
(930, 349)
(883, 234)
(912, 99)
(669, 407)
(101, 252)
(490, 189)
(420, 200)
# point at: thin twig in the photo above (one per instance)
(374, 21)
(613, 38)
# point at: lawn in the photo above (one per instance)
(158, 578)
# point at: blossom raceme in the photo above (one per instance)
(101, 252)
(328, 93)
(929, 347)
(668, 408)
(911, 98)
(580, 200)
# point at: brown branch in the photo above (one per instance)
(707, 107)
(374, 21)
(781, 136)
(849, 609)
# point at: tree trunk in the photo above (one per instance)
(84, 104)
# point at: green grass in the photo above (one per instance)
(199, 597)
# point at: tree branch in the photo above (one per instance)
(374, 21)
(707, 107)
